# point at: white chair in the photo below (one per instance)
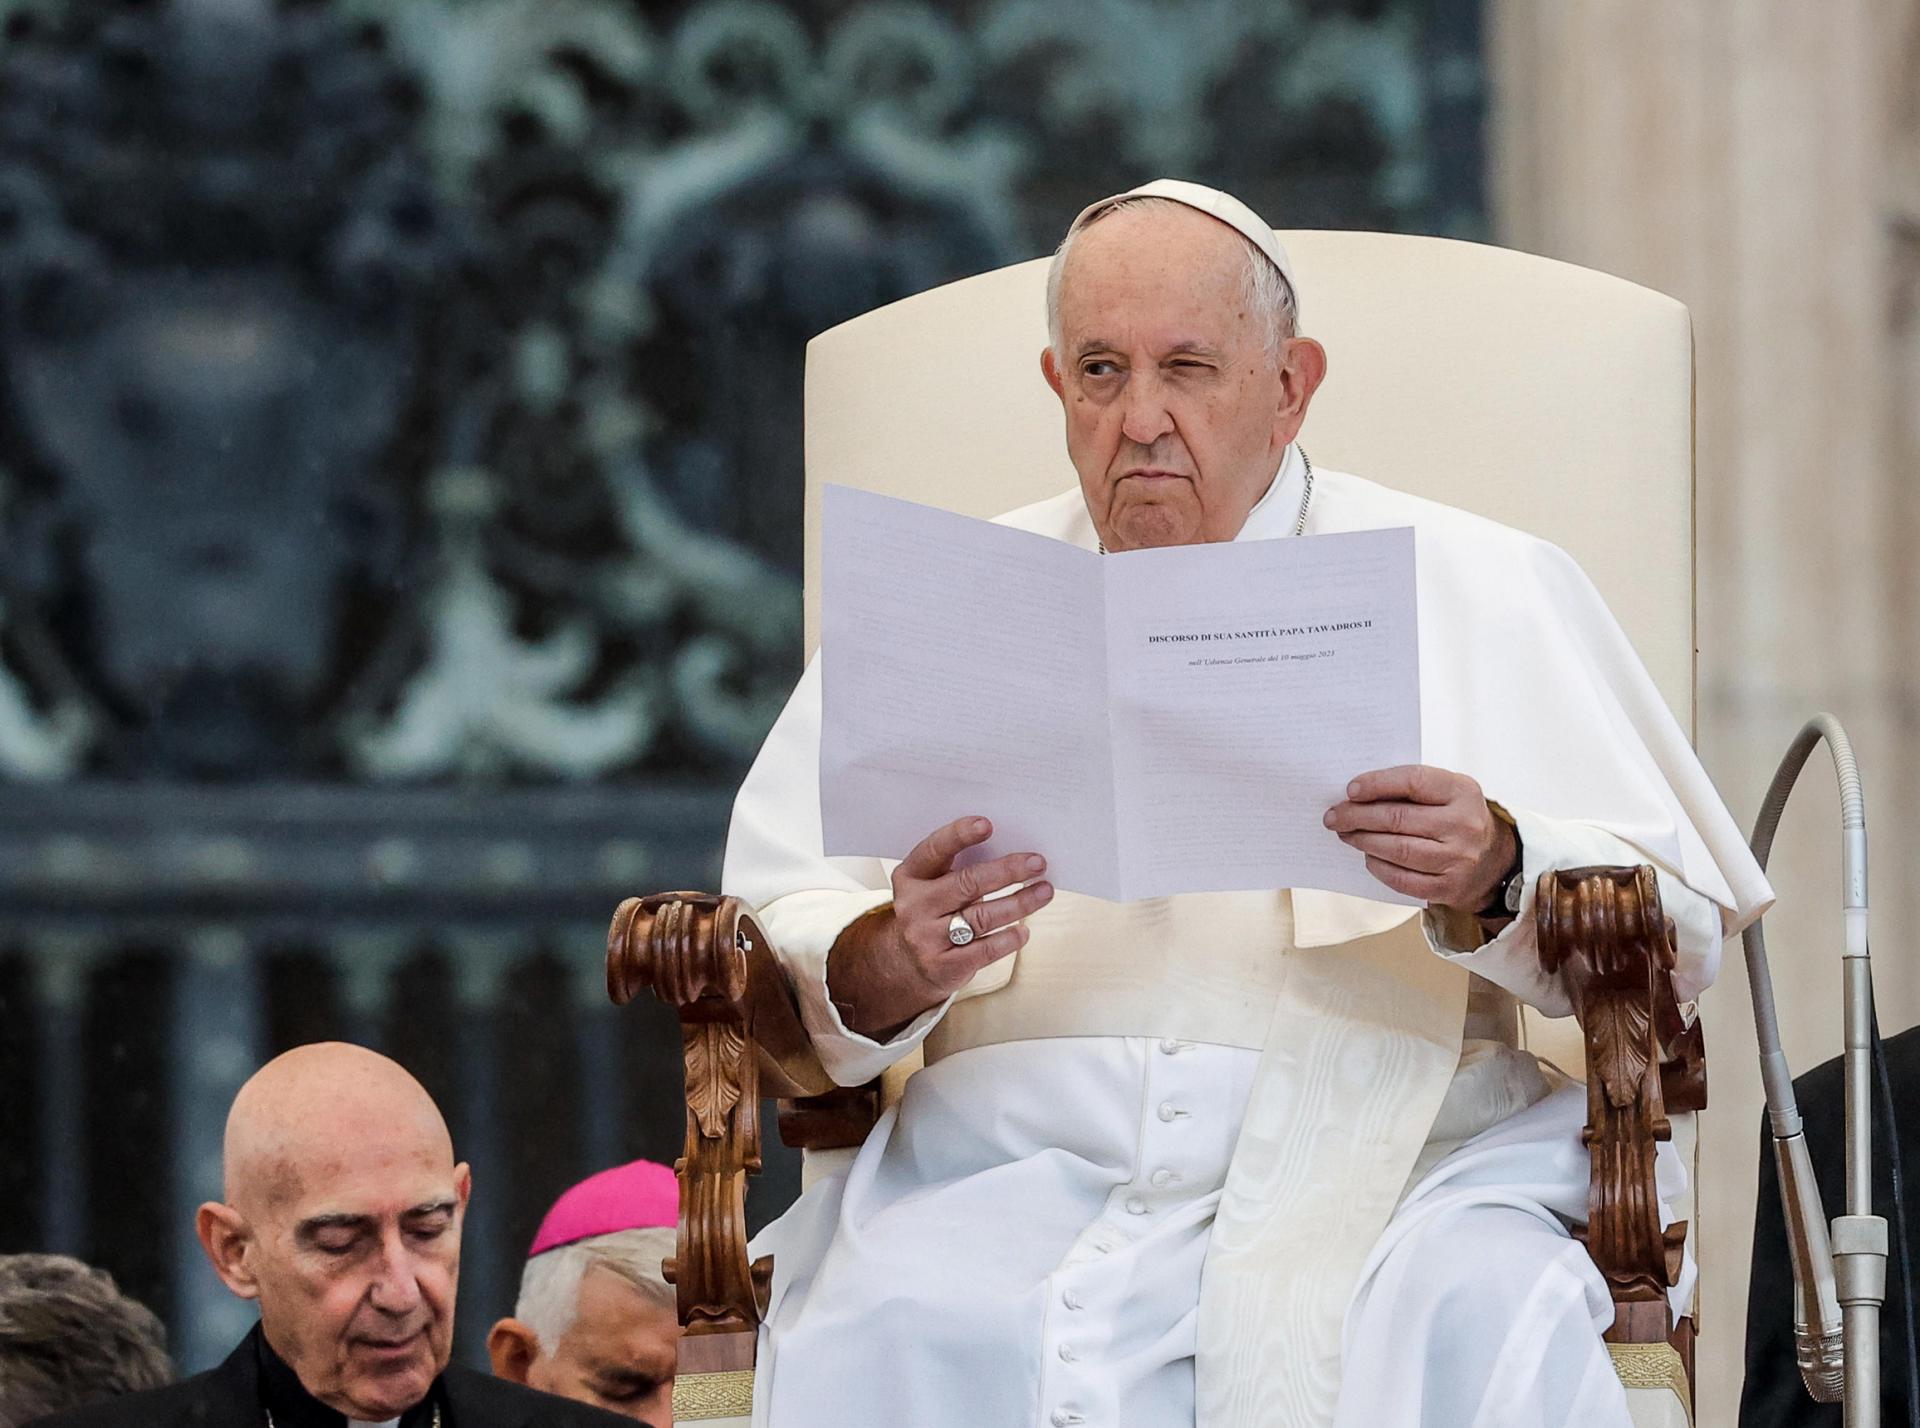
(1543, 395)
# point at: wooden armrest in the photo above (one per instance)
(1604, 930)
(741, 1033)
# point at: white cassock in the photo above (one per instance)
(1245, 1159)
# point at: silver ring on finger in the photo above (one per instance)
(959, 931)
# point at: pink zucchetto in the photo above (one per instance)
(639, 1195)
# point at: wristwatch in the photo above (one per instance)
(1505, 898)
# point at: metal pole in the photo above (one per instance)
(1855, 1274)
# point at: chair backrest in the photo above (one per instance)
(1546, 396)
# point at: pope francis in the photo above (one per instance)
(1239, 1158)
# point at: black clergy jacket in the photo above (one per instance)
(1773, 1396)
(239, 1393)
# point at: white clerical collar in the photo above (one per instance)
(1277, 512)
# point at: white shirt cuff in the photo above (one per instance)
(1512, 958)
(803, 927)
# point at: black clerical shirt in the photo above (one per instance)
(286, 1398)
(255, 1381)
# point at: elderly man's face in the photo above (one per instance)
(357, 1269)
(619, 1353)
(342, 1219)
(1176, 414)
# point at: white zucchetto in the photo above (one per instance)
(1215, 204)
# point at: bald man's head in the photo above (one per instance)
(304, 1110)
(342, 1215)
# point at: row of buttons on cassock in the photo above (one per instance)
(1104, 1241)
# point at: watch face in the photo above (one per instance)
(1515, 885)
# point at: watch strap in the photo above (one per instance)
(1504, 901)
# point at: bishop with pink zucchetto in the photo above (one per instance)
(595, 1318)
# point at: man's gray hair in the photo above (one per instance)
(1268, 295)
(69, 1337)
(550, 1284)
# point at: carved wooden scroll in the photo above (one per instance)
(741, 1034)
(1604, 929)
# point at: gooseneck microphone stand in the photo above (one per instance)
(1839, 1279)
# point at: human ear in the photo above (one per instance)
(462, 1193)
(225, 1236)
(1050, 369)
(512, 1348)
(1301, 373)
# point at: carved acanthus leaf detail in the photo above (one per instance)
(1603, 931)
(1620, 1040)
(714, 1051)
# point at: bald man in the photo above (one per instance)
(341, 1218)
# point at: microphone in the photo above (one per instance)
(1839, 1278)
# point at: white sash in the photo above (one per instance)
(1359, 1025)
(1364, 1044)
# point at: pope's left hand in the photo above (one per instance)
(1427, 833)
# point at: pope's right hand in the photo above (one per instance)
(887, 969)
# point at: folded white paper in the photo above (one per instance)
(1153, 722)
